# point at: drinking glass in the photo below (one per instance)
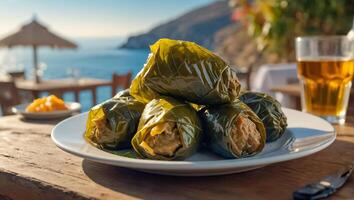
(325, 67)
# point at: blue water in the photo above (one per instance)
(96, 61)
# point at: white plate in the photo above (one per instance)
(72, 107)
(305, 135)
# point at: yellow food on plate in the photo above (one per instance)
(47, 104)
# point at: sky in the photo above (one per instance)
(93, 18)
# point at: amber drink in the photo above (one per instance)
(325, 70)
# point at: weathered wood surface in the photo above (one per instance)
(32, 167)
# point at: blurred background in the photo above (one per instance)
(114, 36)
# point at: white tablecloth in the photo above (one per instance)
(271, 75)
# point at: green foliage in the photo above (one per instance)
(275, 23)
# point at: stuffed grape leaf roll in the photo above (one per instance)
(112, 124)
(233, 130)
(168, 130)
(269, 111)
(187, 71)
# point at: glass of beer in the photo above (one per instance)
(325, 68)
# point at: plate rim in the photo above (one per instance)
(195, 165)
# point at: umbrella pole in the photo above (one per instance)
(35, 63)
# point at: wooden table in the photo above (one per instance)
(58, 87)
(32, 167)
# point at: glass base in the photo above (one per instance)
(334, 119)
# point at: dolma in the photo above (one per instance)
(112, 124)
(269, 111)
(187, 71)
(233, 130)
(168, 130)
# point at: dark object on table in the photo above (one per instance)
(269, 111)
(187, 71)
(112, 124)
(168, 130)
(325, 187)
(233, 130)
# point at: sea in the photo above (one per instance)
(95, 57)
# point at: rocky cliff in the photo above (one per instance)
(200, 25)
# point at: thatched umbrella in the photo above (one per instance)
(35, 35)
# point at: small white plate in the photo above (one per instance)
(306, 134)
(72, 107)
